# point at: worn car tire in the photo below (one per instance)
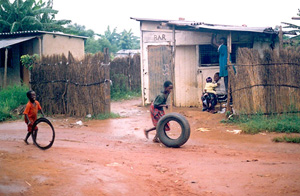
(35, 133)
(185, 130)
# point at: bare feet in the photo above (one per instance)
(213, 111)
(26, 142)
(146, 133)
(155, 139)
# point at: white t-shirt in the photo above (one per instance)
(220, 89)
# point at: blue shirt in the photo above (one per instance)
(223, 60)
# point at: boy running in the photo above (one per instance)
(30, 113)
(157, 111)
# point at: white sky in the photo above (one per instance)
(98, 14)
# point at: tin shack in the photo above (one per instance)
(182, 51)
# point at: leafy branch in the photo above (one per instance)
(28, 60)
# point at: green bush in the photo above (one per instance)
(11, 98)
(28, 60)
(284, 123)
(287, 139)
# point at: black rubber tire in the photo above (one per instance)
(185, 130)
(35, 133)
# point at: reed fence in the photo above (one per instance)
(75, 88)
(270, 84)
(125, 73)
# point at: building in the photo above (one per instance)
(181, 51)
(126, 53)
(14, 45)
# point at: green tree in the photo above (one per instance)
(92, 46)
(80, 30)
(105, 43)
(128, 40)
(111, 36)
(110, 39)
(29, 15)
(295, 29)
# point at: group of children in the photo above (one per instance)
(213, 92)
(209, 100)
(156, 111)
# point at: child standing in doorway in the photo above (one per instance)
(157, 111)
(30, 113)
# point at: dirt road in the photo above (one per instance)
(112, 157)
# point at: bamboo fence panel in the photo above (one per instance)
(75, 88)
(266, 85)
(126, 72)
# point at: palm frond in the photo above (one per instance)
(16, 26)
(31, 23)
(289, 25)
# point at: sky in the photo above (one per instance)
(98, 14)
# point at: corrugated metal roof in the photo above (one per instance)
(147, 19)
(228, 27)
(12, 41)
(38, 32)
(201, 25)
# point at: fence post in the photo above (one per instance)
(229, 47)
(5, 68)
(107, 84)
(280, 38)
(106, 55)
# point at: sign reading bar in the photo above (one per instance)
(156, 37)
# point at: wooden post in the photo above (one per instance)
(107, 84)
(280, 38)
(173, 70)
(40, 48)
(5, 68)
(106, 55)
(228, 108)
(128, 71)
(229, 47)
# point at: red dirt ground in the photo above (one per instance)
(112, 157)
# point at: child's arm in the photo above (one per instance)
(40, 108)
(42, 112)
(28, 121)
(163, 105)
(214, 85)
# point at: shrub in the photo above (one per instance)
(287, 139)
(284, 123)
(11, 98)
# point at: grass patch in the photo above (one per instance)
(287, 139)
(124, 95)
(252, 124)
(120, 89)
(11, 98)
(105, 116)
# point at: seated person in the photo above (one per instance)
(220, 89)
(209, 97)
